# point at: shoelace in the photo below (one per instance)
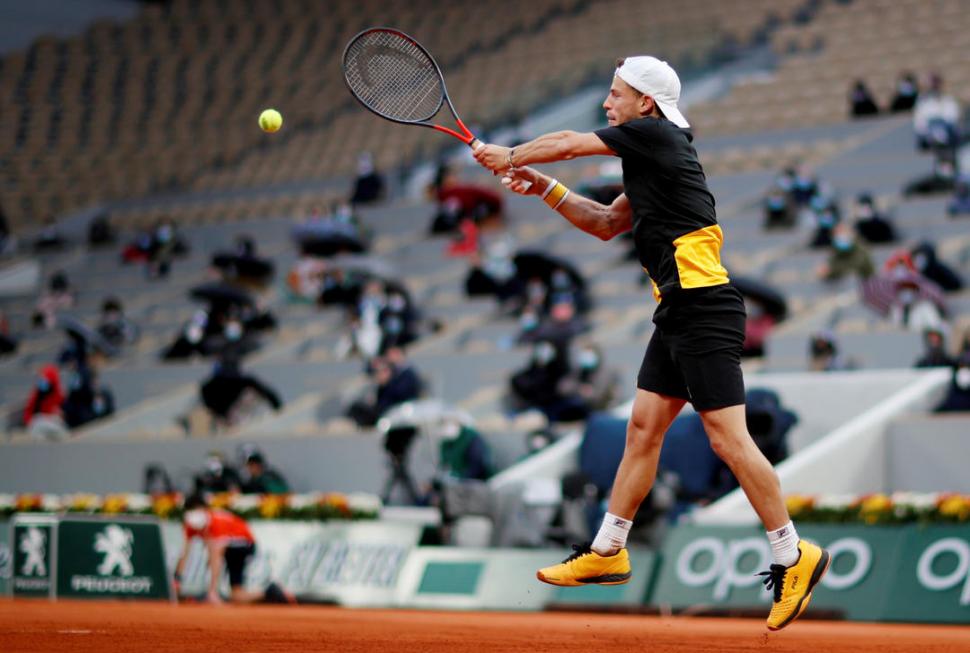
(774, 579)
(580, 550)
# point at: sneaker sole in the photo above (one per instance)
(820, 569)
(608, 579)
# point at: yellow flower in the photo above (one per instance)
(114, 504)
(337, 502)
(955, 506)
(271, 505)
(875, 507)
(799, 504)
(220, 500)
(28, 502)
(164, 505)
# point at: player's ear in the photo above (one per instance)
(646, 105)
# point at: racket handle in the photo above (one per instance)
(475, 144)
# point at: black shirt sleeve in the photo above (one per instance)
(637, 139)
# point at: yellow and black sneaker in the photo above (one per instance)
(793, 585)
(586, 567)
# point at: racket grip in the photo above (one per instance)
(474, 144)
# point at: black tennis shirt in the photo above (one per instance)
(675, 230)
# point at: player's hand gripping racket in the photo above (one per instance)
(393, 76)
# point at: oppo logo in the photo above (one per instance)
(929, 579)
(711, 561)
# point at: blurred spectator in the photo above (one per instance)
(369, 184)
(758, 325)
(192, 339)
(100, 231)
(590, 385)
(463, 452)
(936, 119)
(536, 385)
(804, 184)
(824, 354)
(8, 344)
(398, 320)
(59, 297)
(50, 238)
(164, 247)
(906, 94)
(114, 327)
(825, 212)
(87, 400)
(960, 204)
(6, 242)
(262, 479)
(217, 475)
(458, 201)
(780, 212)
(872, 225)
(957, 397)
(934, 352)
(230, 395)
(157, 481)
(915, 302)
(493, 269)
(930, 266)
(847, 257)
(560, 327)
(861, 101)
(43, 415)
(395, 381)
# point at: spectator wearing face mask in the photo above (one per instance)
(957, 397)
(369, 184)
(43, 415)
(936, 118)
(217, 475)
(779, 210)
(398, 321)
(930, 266)
(824, 355)
(827, 217)
(58, 298)
(590, 385)
(934, 352)
(870, 224)
(907, 92)
(395, 382)
(847, 257)
(88, 399)
(114, 327)
(261, 478)
(861, 101)
(163, 249)
(536, 385)
(463, 452)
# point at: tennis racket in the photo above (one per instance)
(393, 76)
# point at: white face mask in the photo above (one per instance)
(196, 519)
(450, 430)
(962, 378)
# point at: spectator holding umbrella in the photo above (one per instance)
(229, 394)
(927, 263)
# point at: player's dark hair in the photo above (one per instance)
(194, 501)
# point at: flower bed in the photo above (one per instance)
(896, 508)
(305, 507)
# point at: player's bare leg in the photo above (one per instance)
(606, 561)
(799, 565)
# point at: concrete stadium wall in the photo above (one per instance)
(852, 459)
(928, 453)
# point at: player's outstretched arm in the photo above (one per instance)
(556, 146)
(594, 218)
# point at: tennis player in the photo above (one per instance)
(695, 352)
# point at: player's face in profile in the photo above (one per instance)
(622, 104)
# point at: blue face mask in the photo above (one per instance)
(43, 385)
(842, 244)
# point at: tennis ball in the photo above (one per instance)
(270, 120)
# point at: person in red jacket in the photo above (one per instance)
(230, 544)
(43, 414)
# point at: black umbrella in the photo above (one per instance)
(533, 263)
(221, 294)
(770, 299)
(250, 267)
(85, 337)
(328, 238)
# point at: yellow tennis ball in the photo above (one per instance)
(270, 120)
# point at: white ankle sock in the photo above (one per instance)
(784, 545)
(611, 536)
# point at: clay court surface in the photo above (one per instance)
(142, 627)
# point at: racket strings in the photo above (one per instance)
(393, 77)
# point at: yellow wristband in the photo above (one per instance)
(555, 196)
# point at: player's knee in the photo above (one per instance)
(641, 439)
(726, 447)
